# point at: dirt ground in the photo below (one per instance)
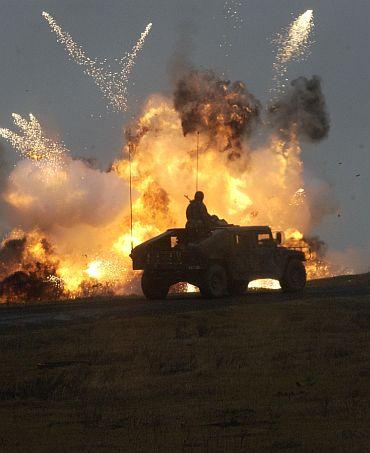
(262, 372)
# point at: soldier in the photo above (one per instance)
(196, 213)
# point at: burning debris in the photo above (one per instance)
(28, 269)
(33, 285)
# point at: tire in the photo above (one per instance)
(294, 278)
(237, 287)
(214, 282)
(153, 286)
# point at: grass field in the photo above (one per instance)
(272, 376)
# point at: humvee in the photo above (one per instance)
(220, 262)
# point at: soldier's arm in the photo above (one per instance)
(205, 213)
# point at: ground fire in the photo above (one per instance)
(73, 224)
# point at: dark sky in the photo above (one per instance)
(37, 77)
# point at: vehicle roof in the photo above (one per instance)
(236, 228)
(233, 228)
(227, 228)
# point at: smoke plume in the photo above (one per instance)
(180, 61)
(302, 107)
(225, 111)
(76, 194)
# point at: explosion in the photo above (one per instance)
(76, 226)
(224, 112)
(245, 184)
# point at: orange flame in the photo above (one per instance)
(262, 186)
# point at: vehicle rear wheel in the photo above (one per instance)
(237, 287)
(153, 286)
(294, 278)
(214, 283)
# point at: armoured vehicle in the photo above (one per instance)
(220, 262)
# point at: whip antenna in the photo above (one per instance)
(197, 176)
(129, 159)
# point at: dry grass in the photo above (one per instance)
(248, 377)
(342, 280)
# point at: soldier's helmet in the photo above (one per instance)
(199, 196)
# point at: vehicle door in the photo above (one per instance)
(265, 255)
(246, 265)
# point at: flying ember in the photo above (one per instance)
(234, 21)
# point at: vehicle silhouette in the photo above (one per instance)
(220, 261)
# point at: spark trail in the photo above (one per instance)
(293, 44)
(113, 85)
(232, 11)
(33, 144)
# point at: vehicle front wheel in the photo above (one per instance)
(294, 278)
(214, 282)
(153, 286)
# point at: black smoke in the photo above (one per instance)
(303, 107)
(317, 246)
(208, 104)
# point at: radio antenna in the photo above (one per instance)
(131, 223)
(197, 176)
